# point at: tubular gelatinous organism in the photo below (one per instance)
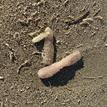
(51, 70)
(48, 49)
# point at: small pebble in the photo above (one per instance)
(34, 14)
(63, 103)
(58, 41)
(106, 45)
(56, 98)
(79, 101)
(1, 7)
(1, 78)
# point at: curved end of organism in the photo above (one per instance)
(42, 75)
(76, 56)
(46, 72)
(54, 68)
(49, 31)
(41, 36)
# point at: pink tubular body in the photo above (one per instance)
(51, 70)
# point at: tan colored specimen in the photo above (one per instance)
(48, 49)
(51, 70)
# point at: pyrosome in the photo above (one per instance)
(48, 49)
(54, 68)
